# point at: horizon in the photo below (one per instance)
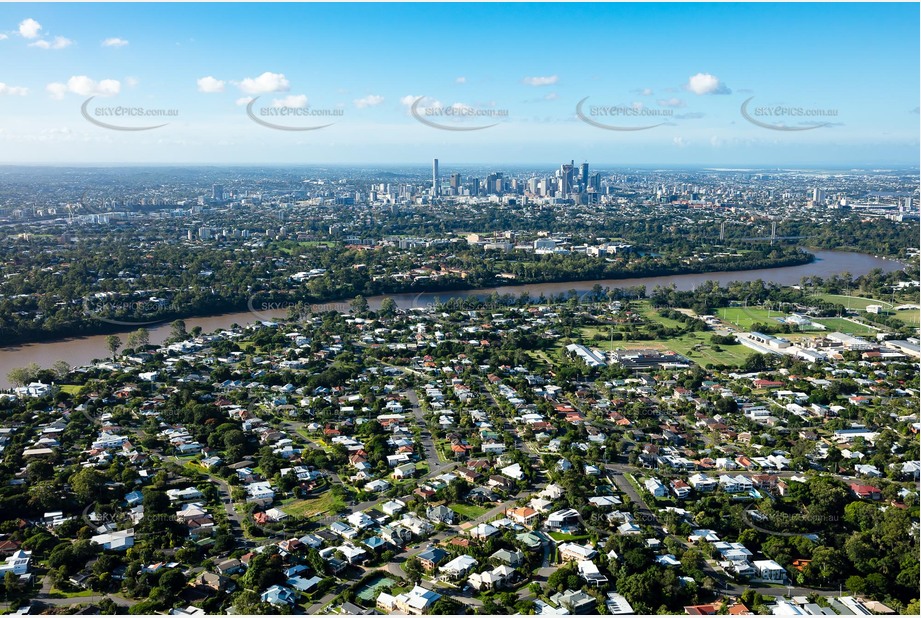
(466, 165)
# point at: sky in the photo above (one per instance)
(774, 85)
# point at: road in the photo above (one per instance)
(644, 513)
(233, 517)
(44, 597)
(425, 435)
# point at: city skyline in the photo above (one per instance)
(388, 91)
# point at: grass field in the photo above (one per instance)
(698, 349)
(696, 346)
(469, 511)
(908, 316)
(327, 503)
(744, 317)
(852, 302)
(70, 389)
(652, 315)
(844, 326)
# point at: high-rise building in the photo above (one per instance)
(217, 193)
(435, 177)
(494, 183)
(455, 181)
(583, 176)
(566, 178)
(818, 196)
(594, 181)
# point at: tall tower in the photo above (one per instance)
(435, 177)
(566, 178)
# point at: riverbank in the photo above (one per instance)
(83, 350)
(97, 324)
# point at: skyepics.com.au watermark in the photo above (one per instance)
(788, 524)
(125, 118)
(279, 117)
(457, 117)
(122, 521)
(139, 312)
(623, 117)
(265, 309)
(787, 117)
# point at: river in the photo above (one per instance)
(83, 350)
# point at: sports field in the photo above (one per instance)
(744, 317)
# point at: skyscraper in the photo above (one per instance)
(566, 178)
(435, 177)
(583, 176)
(217, 193)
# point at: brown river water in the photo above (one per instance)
(83, 350)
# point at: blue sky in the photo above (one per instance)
(685, 68)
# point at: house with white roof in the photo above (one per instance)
(458, 568)
(120, 540)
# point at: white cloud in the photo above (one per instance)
(243, 100)
(16, 91)
(114, 42)
(460, 80)
(210, 84)
(85, 87)
(680, 142)
(3, 37)
(131, 82)
(292, 100)
(29, 28)
(704, 83)
(646, 92)
(549, 80)
(552, 96)
(265, 83)
(57, 90)
(369, 101)
(59, 42)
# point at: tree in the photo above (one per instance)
(178, 331)
(828, 565)
(44, 494)
(20, 376)
(108, 607)
(61, 368)
(359, 304)
(173, 581)
(139, 339)
(88, 484)
(413, 569)
(388, 308)
(113, 343)
(10, 584)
